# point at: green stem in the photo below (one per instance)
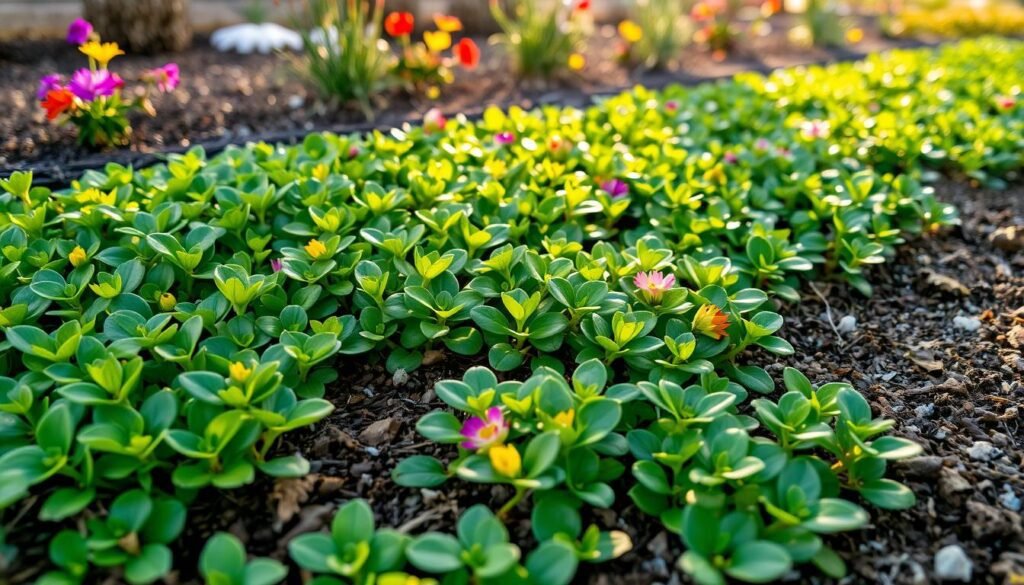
(512, 503)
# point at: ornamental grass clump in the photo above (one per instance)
(92, 98)
(543, 39)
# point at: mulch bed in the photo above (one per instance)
(937, 348)
(228, 98)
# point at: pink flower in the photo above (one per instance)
(88, 85)
(79, 31)
(671, 106)
(165, 78)
(483, 433)
(761, 144)
(504, 138)
(814, 129)
(353, 151)
(652, 285)
(616, 188)
(275, 264)
(731, 158)
(1006, 102)
(47, 83)
(434, 121)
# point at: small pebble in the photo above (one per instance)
(953, 564)
(1009, 499)
(967, 323)
(296, 101)
(400, 378)
(925, 410)
(847, 324)
(983, 451)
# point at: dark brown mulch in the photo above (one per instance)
(913, 353)
(228, 98)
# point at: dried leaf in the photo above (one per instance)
(289, 494)
(925, 359)
(946, 283)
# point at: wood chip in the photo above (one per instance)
(946, 283)
(289, 494)
(380, 431)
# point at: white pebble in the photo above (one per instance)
(967, 323)
(925, 410)
(847, 324)
(400, 377)
(1009, 499)
(983, 451)
(953, 564)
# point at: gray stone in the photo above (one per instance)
(953, 564)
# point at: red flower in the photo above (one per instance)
(583, 5)
(399, 24)
(468, 53)
(57, 102)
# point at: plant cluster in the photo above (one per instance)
(348, 57)
(750, 496)
(166, 328)
(655, 35)
(543, 39)
(959, 20)
(92, 98)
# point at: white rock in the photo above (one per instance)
(295, 102)
(925, 410)
(263, 38)
(953, 564)
(400, 377)
(967, 323)
(983, 451)
(847, 324)
(1009, 499)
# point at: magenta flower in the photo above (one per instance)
(731, 158)
(652, 285)
(88, 85)
(671, 106)
(483, 433)
(814, 129)
(275, 264)
(504, 138)
(47, 84)
(616, 187)
(165, 78)
(79, 31)
(353, 151)
(761, 144)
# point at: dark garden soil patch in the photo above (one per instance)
(228, 98)
(937, 348)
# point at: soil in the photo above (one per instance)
(228, 98)
(913, 352)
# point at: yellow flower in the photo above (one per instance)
(565, 419)
(102, 53)
(238, 372)
(505, 460)
(437, 40)
(630, 31)
(77, 256)
(577, 61)
(321, 171)
(854, 35)
(167, 301)
(448, 24)
(315, 248)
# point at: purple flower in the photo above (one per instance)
(483, 433)
(46, 84)
(761, 144)
(731, 158)
(165, 78)
(79, 31)
(88, 85)
(616, 187)
(504, 138)
(275, 264)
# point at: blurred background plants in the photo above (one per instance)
(543, 39)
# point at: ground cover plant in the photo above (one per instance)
(166, 327)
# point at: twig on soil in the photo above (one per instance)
(432, 514)
(828, 313)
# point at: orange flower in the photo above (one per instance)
(711, 321)
(468, 53)
(399, 24)
(447, 23)
(57, 102)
